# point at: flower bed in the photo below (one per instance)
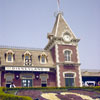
(59, 95)
(92, 94)
(31, 93)
(54, 93)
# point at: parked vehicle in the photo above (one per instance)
(90, 83)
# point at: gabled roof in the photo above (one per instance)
(61, 27)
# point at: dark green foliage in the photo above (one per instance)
(4, 96)
(55, 88)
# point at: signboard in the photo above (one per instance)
(26, 69)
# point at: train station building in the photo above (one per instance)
(57, 65)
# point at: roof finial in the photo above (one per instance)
(58, 11)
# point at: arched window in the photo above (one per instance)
(43, 58)
(67, 55)
(69, 78)
(9, 56)
(27, 58)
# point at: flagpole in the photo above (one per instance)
(58, 5)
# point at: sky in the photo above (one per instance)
(25, 23)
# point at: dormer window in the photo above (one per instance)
(67, 55)
(27, 58)
(9, 56)
(43, 58)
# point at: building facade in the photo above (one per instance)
(90, 77)
(57, 65)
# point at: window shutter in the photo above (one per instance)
(5, 55)
(14, 57)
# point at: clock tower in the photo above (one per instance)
(63, 45)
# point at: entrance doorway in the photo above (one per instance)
(26, 82)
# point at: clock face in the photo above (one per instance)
(67, 37)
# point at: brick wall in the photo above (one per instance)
(51, 81)
(61, 54)
(53, 53)
(69, 69)
(2, 79)
(17, 81)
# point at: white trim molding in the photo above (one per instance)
(27, 53)
(57, 66)
(78, 58)
(57, 25)
(10, 53)
(67, 72)
(57, 56)
(79, 70)
(70, 54)
(80, 76)
(45, 58)
(58, 76)
(70, 72)
(67, 50)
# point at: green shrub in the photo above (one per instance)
(4, 96)
(55, 88)
(12, 97)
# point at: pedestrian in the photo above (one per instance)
(12, 85)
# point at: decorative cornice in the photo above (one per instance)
(59, 40)
(69, 63)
